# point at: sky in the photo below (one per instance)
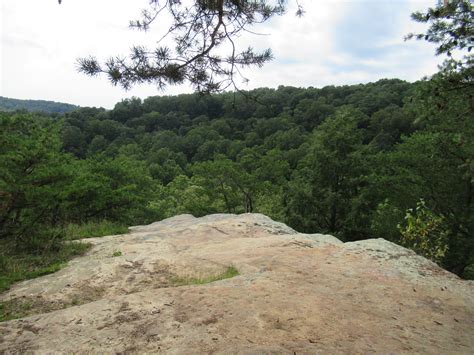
(336, 42)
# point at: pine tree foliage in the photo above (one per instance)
(452, 30)
(202, 30)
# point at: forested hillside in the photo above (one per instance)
(388, 159)
(7, 104)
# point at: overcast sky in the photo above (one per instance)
(336, 42)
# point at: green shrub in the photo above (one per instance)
(468, 272)
(425, 233)
(385, 221)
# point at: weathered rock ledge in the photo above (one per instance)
(296, 293)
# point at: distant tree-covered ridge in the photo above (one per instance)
(7, 104)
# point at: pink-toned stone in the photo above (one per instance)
(296, 293)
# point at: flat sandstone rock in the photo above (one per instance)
(296, 293)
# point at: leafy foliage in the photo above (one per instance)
(329, 178)
(425, 233)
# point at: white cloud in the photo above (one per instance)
(318, 53)
(40, 42)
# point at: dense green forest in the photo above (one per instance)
(387, 159)
(7, 104)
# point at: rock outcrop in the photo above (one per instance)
(295, 293)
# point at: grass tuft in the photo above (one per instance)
(230, 272)
(13, 310)
(94, 229)
(18, 266)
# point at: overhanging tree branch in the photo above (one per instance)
(199, 29)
